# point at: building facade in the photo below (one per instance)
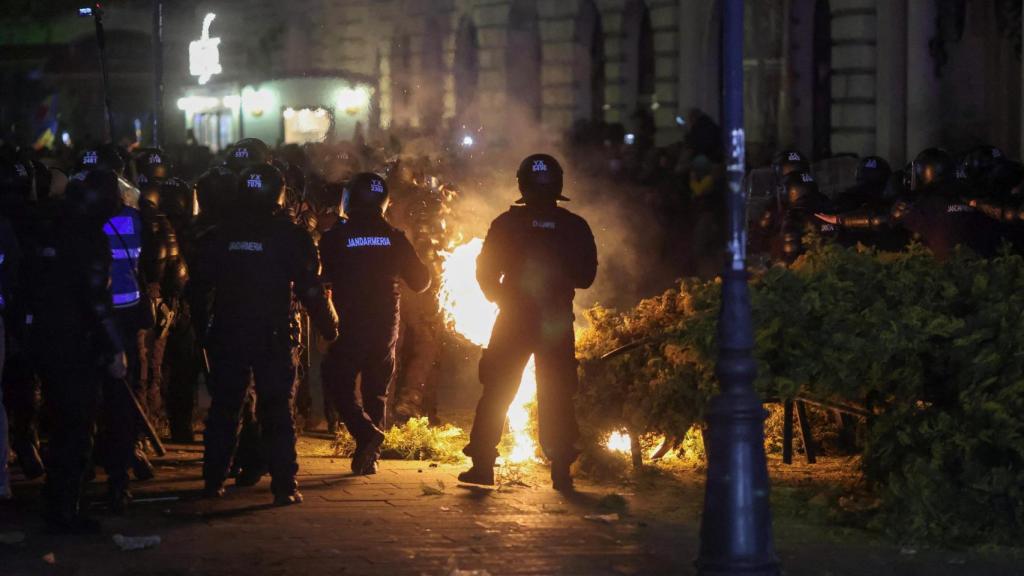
(826, 76)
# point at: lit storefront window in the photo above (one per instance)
(306, 125)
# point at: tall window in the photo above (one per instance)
(639, 59)
(467, 69)
(822, 80)
(590, 61)
(401, 81)
(430, 87)
(523, 59)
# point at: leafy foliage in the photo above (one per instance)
(934, 350)
(416, 439)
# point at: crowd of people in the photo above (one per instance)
(124, 286)
(937, 200)
(125, 281)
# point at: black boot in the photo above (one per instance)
(561, 476)
(288, 498)
(249, 476)
(366, 453)
(120, 496)
(481, 473)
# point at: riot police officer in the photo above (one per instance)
(365, 258)
(933, 210)
(181, 363)
(875, 191)
(785, 162)
(10, 259)
(785, 225)
(20, 386)
(246, 273)
(151, 167)
(246, 153)
(72, 312)
(533, 260)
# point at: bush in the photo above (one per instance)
(416, 439)
(935, 350)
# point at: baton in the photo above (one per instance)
(148, 429)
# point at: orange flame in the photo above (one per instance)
(470, 314)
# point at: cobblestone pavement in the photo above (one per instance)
(411, 518)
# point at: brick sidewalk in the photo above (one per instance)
(387, 525)
(384, 524)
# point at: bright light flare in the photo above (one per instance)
(619, 442)
(469, 313)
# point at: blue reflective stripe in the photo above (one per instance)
(123, 225)
(127, 298)
(122, 254)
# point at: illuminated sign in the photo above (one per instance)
(204, 54)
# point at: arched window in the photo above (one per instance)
(523, 59)
(430, 88)
(822, 80)
(467, 68)
(401, 81)
(639, 75)
(590, 61)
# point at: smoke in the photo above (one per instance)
(621, 214)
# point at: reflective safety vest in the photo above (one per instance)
(124, 232)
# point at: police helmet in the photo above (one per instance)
(873, 171)
(932, 167)
(44, 179)
(1006, 176)
(261, 189)
(151, 165)
(787, 161)
(15, 182)
(105, 157)
(979, 163)
(246, 153)
(365, 192)
(799, 188)
(215, 192)
(93, 196)
(540, 179)
(177, 199)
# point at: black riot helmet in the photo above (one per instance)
(176, 199)
(93, 197)
(873, 172)
(931, 168)
(979, 163)
(44, 179)
(216, 191)
(365, 193)
(246, 153)
(787, 161)
(105, 157)
(151, 165)
(799, 189)
(540, 180)
(261, 190)
(15, 184)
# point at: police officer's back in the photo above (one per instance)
(533, 260)
(248, 267)
(366, 260)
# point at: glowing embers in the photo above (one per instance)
(469, 313)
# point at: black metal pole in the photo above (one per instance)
(101, 42)
(158, 71)
(736, 528)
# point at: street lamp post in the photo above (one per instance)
(101, 42)
(158, 71)
(736, 528)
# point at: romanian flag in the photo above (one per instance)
(45, 123)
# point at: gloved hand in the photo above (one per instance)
(118, 367)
